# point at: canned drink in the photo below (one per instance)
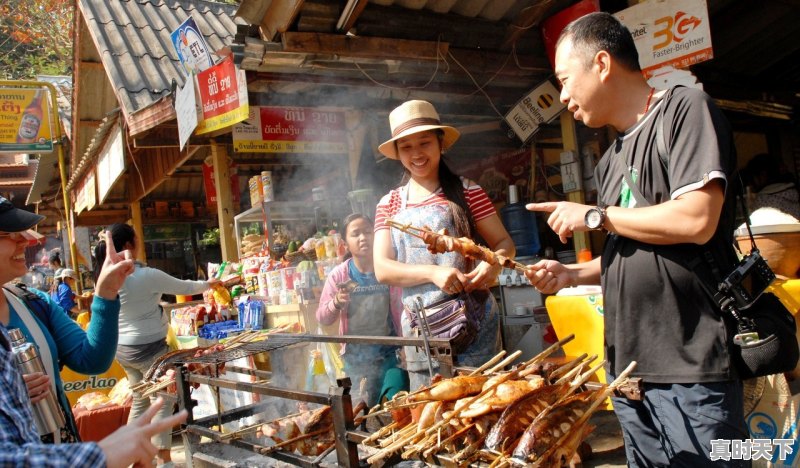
(266, 186)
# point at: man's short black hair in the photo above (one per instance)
(602, 31)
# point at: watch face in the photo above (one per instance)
(593, 219)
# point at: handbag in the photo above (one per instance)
(456, 318)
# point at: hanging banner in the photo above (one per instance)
(223, 96)
(210, 185)
(110, 163)
(191, 47)
(539, 107)
(25, 121)
(291, 130)
(675, 33)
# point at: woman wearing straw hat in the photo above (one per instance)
(433, 196)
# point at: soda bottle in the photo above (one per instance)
(31, 120)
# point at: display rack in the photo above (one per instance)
(298, 219)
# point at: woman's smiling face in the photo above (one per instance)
(12, 256)
(420, 154)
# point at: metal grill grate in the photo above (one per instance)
(272, 343)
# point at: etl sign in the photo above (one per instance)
(674, 33)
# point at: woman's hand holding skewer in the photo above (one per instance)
(450, 280)
(483, 276)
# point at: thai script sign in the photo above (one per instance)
(291, 130)
(223, 97)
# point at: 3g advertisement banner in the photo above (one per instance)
(25, 121)
(674, 33)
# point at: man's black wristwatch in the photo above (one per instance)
(595, 217)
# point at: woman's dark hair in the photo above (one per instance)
(349, 219)
(54, 256)
(121, 234)
(602, 31)
(453, 190)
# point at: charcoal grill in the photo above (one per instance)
(338, 398)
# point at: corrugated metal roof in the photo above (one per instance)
(133, 40)
(108, 123)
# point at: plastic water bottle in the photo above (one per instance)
(46, 412)
(317, 379)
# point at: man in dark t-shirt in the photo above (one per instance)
(656, 311)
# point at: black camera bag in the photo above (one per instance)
(777, 350)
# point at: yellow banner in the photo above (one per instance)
(278, 146)
(25, 121)
(225, 120)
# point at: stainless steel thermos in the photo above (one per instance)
(46, 413)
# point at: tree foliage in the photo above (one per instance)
(35, 38)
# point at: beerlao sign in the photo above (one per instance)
(291, 130)
(25, 121)
(674, 33)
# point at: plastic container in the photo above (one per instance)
(521, 225)
(266, 186)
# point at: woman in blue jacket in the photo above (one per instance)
(60, 341)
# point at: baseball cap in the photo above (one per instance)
(13, 219)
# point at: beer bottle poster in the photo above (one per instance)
(25, 125)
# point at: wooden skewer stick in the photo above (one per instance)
(508, 360)
(489, 363)
(446, 441)
(386, 430)
(598, 400)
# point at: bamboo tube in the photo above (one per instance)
(490, 362)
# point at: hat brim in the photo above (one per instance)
(17, 220)
(389, 149)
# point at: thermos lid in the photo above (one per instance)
(25, 352)
(513, 194)
(16, 335)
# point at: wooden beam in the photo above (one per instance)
(527, 18)
(279, 16)
(222, 183)
(367, 47)
(138, 228)
(152, 167)
(101, 217)
(349, 18)
(162, 141)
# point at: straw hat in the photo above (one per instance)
(414, 117)
(66, 273)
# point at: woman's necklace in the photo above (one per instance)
(649, 97)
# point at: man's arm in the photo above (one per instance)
(690, 218)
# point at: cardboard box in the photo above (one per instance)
(187, 209)
(775, 416)
(162, 209)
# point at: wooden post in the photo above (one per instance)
(355, 138)
(138, 228)
(569, 137)
(222, 182)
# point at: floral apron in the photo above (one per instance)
(412, 250)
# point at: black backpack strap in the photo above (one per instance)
(35, 304)
(661, 140)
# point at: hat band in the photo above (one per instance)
(414, 123)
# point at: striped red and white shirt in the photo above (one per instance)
(478, 201)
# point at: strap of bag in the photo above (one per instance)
(32, 300)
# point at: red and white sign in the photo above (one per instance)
(291, 130)
(211, 187)
(223, 99)
(674, 33)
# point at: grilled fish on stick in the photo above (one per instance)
(441, 242)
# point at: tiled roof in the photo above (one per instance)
(133, 40)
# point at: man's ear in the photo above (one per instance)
(602, 64)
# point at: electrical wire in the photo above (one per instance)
(489, 99)
(435, 72)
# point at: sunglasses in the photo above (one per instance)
(14, 236)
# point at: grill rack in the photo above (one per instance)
(346, 435)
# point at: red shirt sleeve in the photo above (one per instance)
(387, 207)
(479, 203)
